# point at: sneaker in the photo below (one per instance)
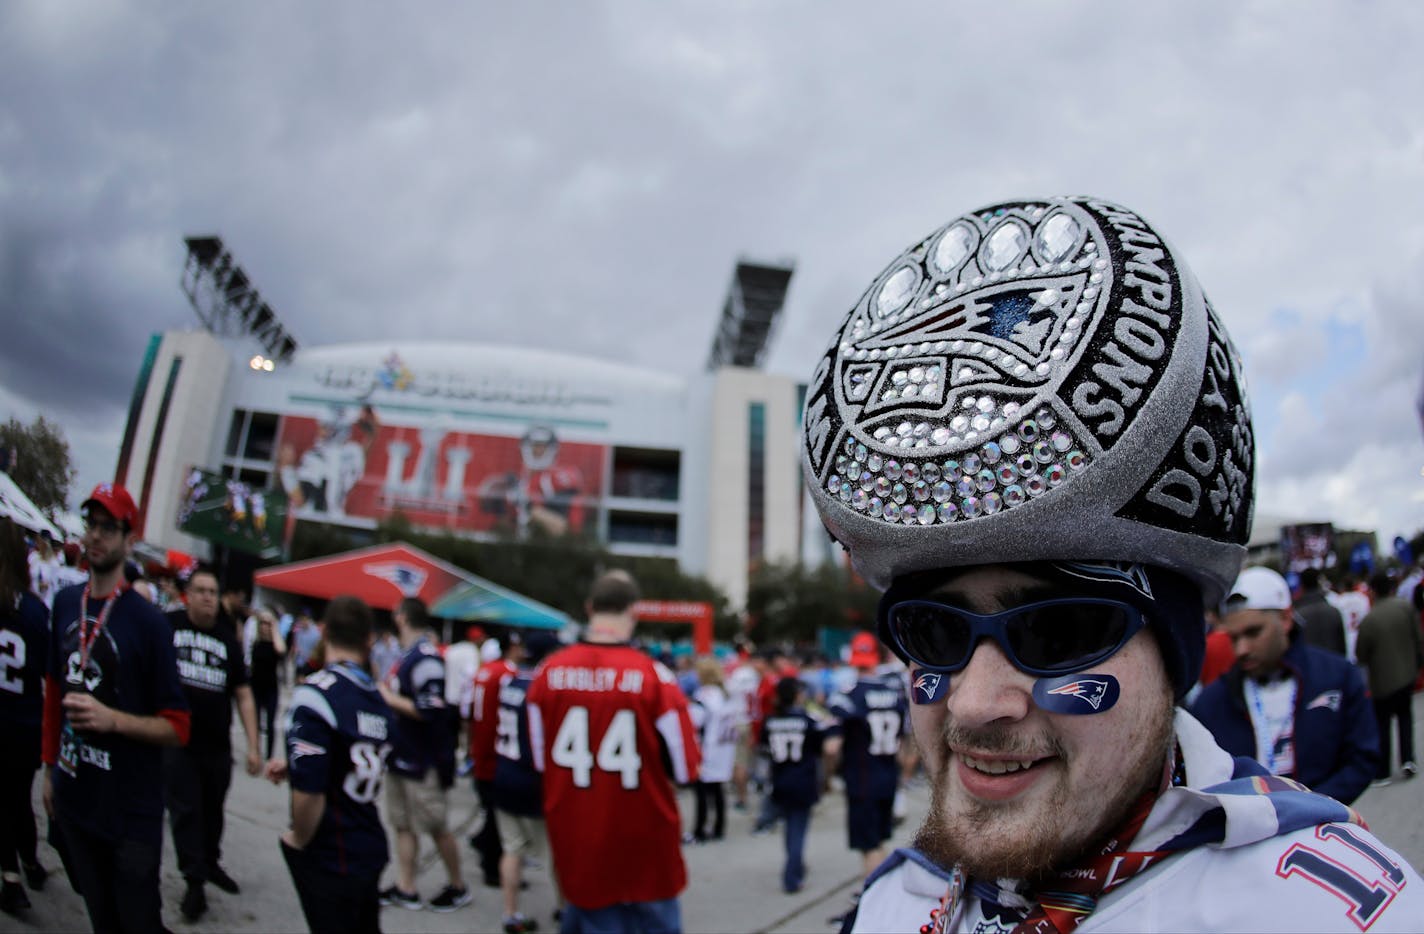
(1381, 782)
(395, 897)
(219, 877)
(1410, 769)
(520, 925)
(451, 898)
(13, 899)
(195, 902)
(35, 875)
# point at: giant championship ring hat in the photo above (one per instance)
(1037, 380)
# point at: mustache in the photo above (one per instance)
(1000, 740)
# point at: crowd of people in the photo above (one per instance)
(129, 697)
(1093, 756)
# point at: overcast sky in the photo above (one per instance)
(582, 177)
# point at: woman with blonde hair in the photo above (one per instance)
(717, 722)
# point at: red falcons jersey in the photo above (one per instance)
(484, 716)
(605, 722)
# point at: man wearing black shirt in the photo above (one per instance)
(196, 776)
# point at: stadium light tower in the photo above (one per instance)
(753, 304)
(226, 301)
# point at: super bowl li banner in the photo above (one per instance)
(356, 466)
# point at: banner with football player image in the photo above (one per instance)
(1307, 546)
(232, 513)
(356, 466)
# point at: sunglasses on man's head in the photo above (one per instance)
(1051, 637)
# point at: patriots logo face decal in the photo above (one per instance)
(1076, 693)
(929, 686)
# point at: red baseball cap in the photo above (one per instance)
(116, 501)
(864, 650)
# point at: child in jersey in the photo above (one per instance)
(795, 742)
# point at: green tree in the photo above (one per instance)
(791, 603)
(39, 462)
(555, 570)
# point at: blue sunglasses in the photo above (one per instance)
(1051, 637)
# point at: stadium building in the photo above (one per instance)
(476, 439)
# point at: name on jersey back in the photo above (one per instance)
(370, 725)
(596, 679)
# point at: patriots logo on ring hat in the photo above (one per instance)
(1034, 380)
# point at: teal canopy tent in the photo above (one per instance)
(486, 602)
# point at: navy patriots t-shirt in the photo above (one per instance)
(108, 784)
(338, 738)
(419, 745)
(872, 715)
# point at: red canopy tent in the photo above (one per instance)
(382, 575)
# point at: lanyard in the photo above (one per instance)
(1268, 729)
(86, 636)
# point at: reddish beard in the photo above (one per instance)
(1030, 840)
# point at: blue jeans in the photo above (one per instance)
(797, 820)
(662, 917)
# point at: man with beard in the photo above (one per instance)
(112, 699)
(196, 777)
(1031, 433)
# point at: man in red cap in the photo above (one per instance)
(112, 700)
(872, 715)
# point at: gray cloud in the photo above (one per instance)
(585, 180)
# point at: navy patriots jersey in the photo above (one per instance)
(419, 745)
(872, 715)
(518, 785)
(24, 654)
(338, 738)
(793, 743)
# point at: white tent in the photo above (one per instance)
(17, 506)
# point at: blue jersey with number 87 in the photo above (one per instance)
(338, 739)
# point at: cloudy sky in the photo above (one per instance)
(583, 176)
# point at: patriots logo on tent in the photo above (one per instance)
(928, 684)
(407, 578)
(1076, 693)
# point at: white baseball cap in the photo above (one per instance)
(1259, 588)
